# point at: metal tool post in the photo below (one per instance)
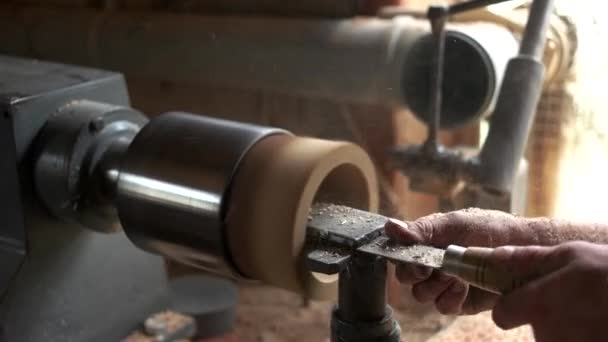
(362, 312)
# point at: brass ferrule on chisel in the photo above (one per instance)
(472, 266)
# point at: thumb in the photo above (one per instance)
(402, 232)
(420, 231)
(534, 265)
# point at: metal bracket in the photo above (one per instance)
(335, 232)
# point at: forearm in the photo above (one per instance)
(552, 231)
(491, 228)
(495, 228)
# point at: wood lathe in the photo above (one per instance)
(226, 197)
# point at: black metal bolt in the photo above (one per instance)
(96, 125)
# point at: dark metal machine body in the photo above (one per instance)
(64, 131)
(58, 281)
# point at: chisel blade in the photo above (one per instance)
(415, 254)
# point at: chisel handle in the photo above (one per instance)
(472, 266)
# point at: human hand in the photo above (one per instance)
(568, 301)
(470, 227)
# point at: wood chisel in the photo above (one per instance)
(469, 264)
(351, 230)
